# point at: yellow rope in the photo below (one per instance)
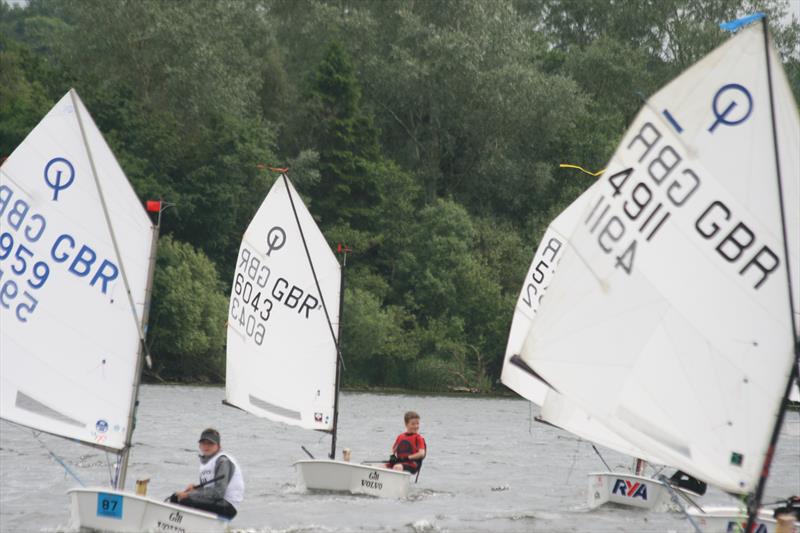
(595, 174)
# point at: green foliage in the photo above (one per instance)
(23, 99)
(424, 135)
(187, 336)
(345, 140)
(377, 348)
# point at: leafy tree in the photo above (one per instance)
(424, 135)
(187, 317)
(450, 290)
(23, 98)
(345, 140)
(376, 348)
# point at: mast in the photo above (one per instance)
(122, 467)
(324, 308)
(338, 357)
(755, 501)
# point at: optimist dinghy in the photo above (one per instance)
(76, 257)
(622, 488)
(672, 320)
(283, 354)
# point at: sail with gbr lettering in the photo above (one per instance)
(557, 409)
(671, 319)
(69, 331)
(283, 316)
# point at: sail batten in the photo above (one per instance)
(667, 320)
(282, 346)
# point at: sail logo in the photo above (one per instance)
(276, 238)
(58, 175)
(732, 100)
(630, 490)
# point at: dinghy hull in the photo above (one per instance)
(725, 519)
(123, 512)
(341, 476)
(628, 490)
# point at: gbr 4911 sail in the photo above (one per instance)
(672, 319)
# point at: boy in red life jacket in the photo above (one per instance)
(409, 447)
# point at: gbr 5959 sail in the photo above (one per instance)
(76, 253)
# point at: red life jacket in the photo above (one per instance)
(408, 444)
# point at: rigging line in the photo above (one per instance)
(63, 464)
(111, 478)
(755, 501)
(601, 457)
(311, 264)
(676, 500)
(574, 460)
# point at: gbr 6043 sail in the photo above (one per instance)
(672, 318)
(283, 337)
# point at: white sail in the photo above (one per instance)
(669, 318)
(557, 409)
(533, 290)
(69, 338)
(281, 355)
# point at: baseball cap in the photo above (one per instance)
(210, 434)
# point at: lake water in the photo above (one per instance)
(489, 468)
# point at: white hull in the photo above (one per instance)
(733, 519)
(117, 511)
(341, 476)
(628, 490)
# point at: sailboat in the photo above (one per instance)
(672, 320)
(284, 325)
(77, 253)
(628, 489)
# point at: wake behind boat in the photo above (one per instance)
(283, 352)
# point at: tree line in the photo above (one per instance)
(424, 134)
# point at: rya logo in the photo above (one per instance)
(734, 527)
(631, 490)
